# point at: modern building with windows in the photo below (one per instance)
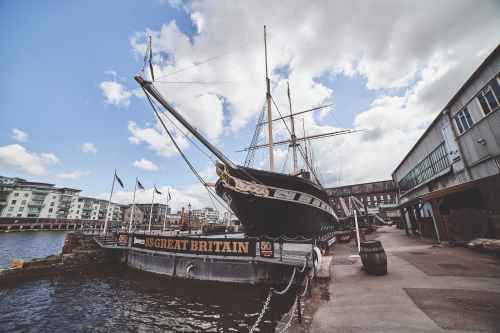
(206, 215)
(158, 213)
(25, 199)
(452, 172)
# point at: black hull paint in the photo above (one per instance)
(273, 217)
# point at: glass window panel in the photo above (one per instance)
(459, 126)
(468, 118)
(484, 104)
(490, 98)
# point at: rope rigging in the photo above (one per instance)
(190, 165)
(299, 147)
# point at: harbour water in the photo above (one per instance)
(121, 299)
(29, 245)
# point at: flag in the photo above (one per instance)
(140, 185)
(157, 192)
(169, 196)
(119, 180)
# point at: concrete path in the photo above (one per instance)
(427, 289)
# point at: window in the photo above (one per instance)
(52, 204)
(463, 120)
(21, 209)
(13, 202)
(51, 210)
(488, 100)
(431, 165)
(23, 202)
(26, 195)
(11, 209)
(16, 194)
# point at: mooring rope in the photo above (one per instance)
(305, 265)
(305, 289)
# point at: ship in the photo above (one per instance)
(267, 203)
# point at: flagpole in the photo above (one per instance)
(133, 208)
(166, 210)
(151, 213)
(109, 204)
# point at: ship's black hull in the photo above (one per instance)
(286, 209)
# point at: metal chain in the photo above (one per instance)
(292, 315)
(262, 312)
(289, 284)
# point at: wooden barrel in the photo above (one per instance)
(373, 257)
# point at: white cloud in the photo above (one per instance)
(89, 147)
(115, 93)
(198, 21)
(20, 159)
(391, 45)
(156, 138)
(146, 165)
(19, 135)
(73, 175)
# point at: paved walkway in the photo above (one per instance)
(427, 289)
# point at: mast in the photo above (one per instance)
(269, 111)
(305, 145)
(293, 137)
(151, 89)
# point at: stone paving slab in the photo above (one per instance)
(452, 262)
(402, 300)
(459, 309)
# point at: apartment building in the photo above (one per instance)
(158, 216)
(21, 198)
(24, 199)
(206, 215)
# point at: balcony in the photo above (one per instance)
(35, 203)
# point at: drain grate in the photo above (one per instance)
(452, 266)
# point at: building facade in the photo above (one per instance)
(376, 197)
(453, 169)
(23, 199)
(207, 215)
(158, 216)
(127, 214)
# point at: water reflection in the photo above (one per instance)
(131, 301)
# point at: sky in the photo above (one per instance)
(71, 112)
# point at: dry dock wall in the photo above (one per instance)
(208, 268)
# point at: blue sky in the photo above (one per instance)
(55, 62)
(56, 55)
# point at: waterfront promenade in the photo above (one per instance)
(427, 289)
